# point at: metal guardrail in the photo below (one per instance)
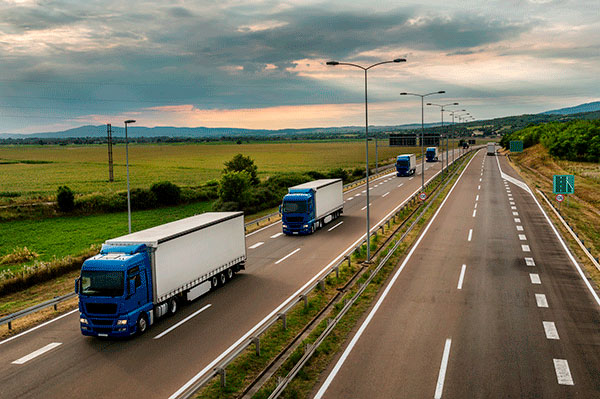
(52, 302)
(254, 339)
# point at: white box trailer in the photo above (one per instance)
(192, 250)
(491, 148)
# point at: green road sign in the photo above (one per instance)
(564, 184)
(516, 146)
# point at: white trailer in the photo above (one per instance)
(491, 148)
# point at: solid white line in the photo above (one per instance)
(440, 382)
(461, 277)
(287, 256)
(168, 330)
(37, 353)
(525, 248)
(541, 300)
(385, 194)
(529, 262)
(335, 226)
(292, 297)
(470, 234)
(550, 330)
(258, 244)
(535, 278)
(40, 326)
(363, 326)
(563, 374)
(519, 228)
(522, 237)
(474, 212)
(277, 235)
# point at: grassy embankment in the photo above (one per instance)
(582, 211)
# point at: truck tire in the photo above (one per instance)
(142, 324)
(172, 306)
(222, 278)
(229, 273)
(214, 282)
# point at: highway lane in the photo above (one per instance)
(158, 367)
(487, 305)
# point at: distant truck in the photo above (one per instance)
(142, 276)
(491, 148)
(406, 165)
(431, 155)
(307, 207)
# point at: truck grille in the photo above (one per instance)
(294, 219)
(102, 322)
(102, 308)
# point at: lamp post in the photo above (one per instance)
(453, 132)
(127, 163)
(334, 63)
(442, 106)
(422, 131)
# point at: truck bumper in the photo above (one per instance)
(96, 327)
(297, 231)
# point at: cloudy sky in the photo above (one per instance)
(261, 63)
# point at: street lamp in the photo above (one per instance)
(334, 63)
(422, 132)
(127, 162)
(453, 132)
(442, 106)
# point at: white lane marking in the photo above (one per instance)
(550, 330)
(40, 326)
(357, 195)
(258, 244)
(37, 353)
(411, 178)
(563, 374)
(477, 198)
(522, 237)
(400, 185)
(470, 234)
(461, 277)
(515, 213)
(363, 326)
(365, 207)
(363, 191)
(335, 226)
(512, 202)
(174, 326)
(385, 194)
(541, 300)
(478, 187)
(475, 206)
(287, 256)
(525, 248)
(529, 262)
(535, 278)
(440, 382)
(517, 220)
(513, 207)
(277, 235)
(519, 228)
(474, 212)
(350, 199)
(480, 179)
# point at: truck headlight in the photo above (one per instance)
(83, 321)
(305, 226)
(122, 322)
(284, 226)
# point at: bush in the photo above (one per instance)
(338, 173)
(234, 187)
(316, 175)
(65, 199)
(143, 199)
(240, 163)
(166, 193)
(359, 173)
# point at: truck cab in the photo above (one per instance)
(298, 212)
(431, 154)
(405, 165)
(115, 292)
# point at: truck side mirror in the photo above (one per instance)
(280, 210)
(77, 285)
(131, 286)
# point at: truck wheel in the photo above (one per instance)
(214, 282)
(142, 324)
(222, 278)
(229, 273)
(172, 306)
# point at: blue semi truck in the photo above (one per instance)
(140, 277)
(307, 207)
(406, 165)
(431, 155)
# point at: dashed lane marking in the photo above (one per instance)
(525, 248)
(37, 353)
(563, 374)
(550, 330)
(258, 244)
(535, 278)
(529, 262)
(287, 256)
(276, 235)
(541, 300)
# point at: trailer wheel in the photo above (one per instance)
(142, 324)
(222, 278)
(173, 306)
(229, 273)
(214, 282)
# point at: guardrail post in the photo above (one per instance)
(283, 319)
(55, 305)
(221, 372)
(388, 224)
(337, 271)
(322, 285)
(305, 299)
(10, 325)
(256, 342)
(349, 261)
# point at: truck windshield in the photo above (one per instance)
(102, 283)
(403, 163)
(295, 207)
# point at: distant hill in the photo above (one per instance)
(588, 107)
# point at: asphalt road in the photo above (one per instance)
(487, 305)
(56, 361)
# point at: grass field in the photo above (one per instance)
(35, 172)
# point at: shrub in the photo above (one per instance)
(143, 199)
(65, 199)
(166, 193)
(18, 255)
(359, 172)
(240, 163)
(338, 173)
(316, 175)
(234, 187)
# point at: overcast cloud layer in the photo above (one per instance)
(261, 64)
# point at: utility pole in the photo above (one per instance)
(111, 176)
